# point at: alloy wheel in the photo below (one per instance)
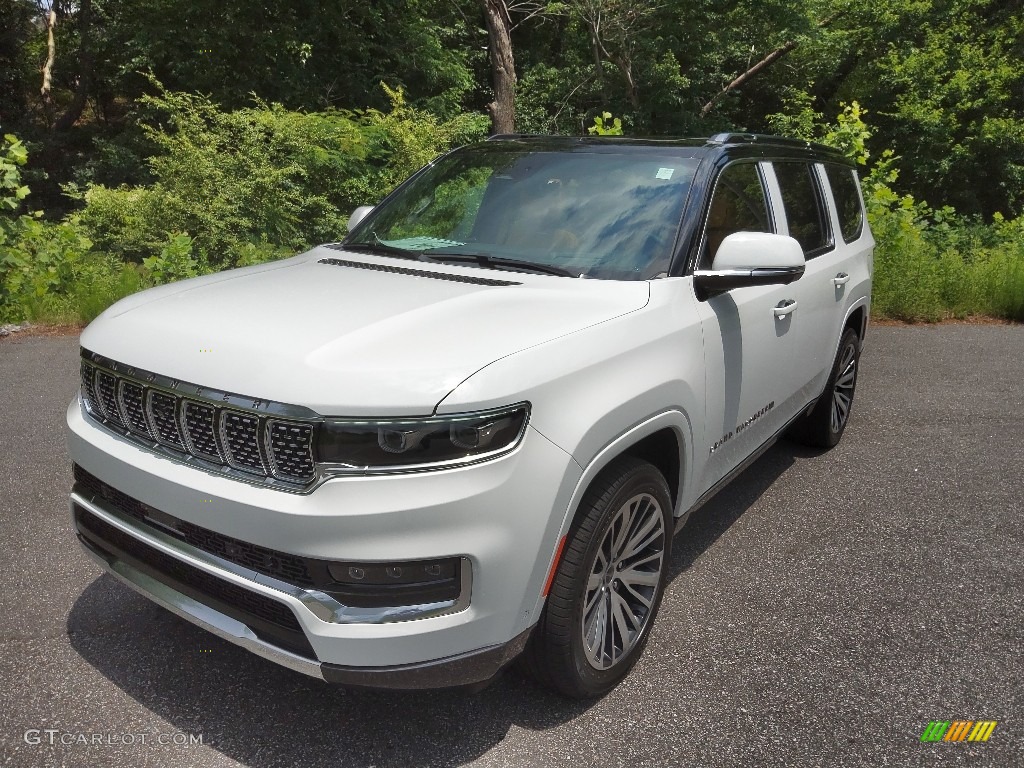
(624, 580)
(842, 392)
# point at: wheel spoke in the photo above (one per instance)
(640, 560)
(646, 534)
(619, 616)
(636, 622)
(644, 578)
(624, 518)
(644, 601)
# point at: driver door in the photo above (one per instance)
(751, 334)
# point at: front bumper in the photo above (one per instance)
(501, 517)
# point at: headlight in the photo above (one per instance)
(411, 444)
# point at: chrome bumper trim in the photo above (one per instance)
(316, 605)
(203, 616)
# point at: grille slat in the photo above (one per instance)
(240, 435)
(291, 448)
(253, 443)
(132, 398)
(162, 410)
(106, 393)
(280, 565)
(200, 422)
(89, 387)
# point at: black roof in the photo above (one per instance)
(732, 144)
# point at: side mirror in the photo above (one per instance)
(358, 215)
(750, 258)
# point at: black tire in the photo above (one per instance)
(823, 427)
(630, 494)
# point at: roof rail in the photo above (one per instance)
(507, 136)
(768, 140)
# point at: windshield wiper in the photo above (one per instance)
(496, 262)
(380, 247)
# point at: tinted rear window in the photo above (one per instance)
(804, 210)
(844, 189)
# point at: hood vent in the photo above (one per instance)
(417, 272)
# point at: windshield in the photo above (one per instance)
(595, 214)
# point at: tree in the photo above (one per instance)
(503, 66)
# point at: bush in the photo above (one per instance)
(929, 264)
(259, 182)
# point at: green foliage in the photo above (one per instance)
(605, 126)
(399, 142)
(174, 262)
(49, 273)
(12, 155)
(254, 183)
(929, 264)
(230, 178)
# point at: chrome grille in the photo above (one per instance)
(145, 407)
(106, 393)
(131, 396)
(162, 411)
(240, 435)
(291, 446)
(201, 430)
(89, 387)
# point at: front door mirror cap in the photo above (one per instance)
(757, 250)
(358, 215)
(746, 259)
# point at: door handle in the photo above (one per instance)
(784, 308)
(841, 279)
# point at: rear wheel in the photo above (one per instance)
(609, 583)
(825, 424)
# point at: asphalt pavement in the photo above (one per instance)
(822, 610)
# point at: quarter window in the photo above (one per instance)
(738, 206)
(844, 190)
(803, 206)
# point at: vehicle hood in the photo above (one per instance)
(364, 336)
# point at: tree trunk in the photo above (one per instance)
(85, 67)
(51, 53)
(503, 67)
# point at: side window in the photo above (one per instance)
(803, 206)
(738, 206)
(844, 189)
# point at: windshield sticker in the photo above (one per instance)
(665, 173)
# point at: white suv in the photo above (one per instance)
(471, 429)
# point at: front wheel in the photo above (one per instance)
(609, 583)
(825, 424)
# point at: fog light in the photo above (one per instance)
(405, 572)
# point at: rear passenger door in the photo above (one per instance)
(806, 215)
